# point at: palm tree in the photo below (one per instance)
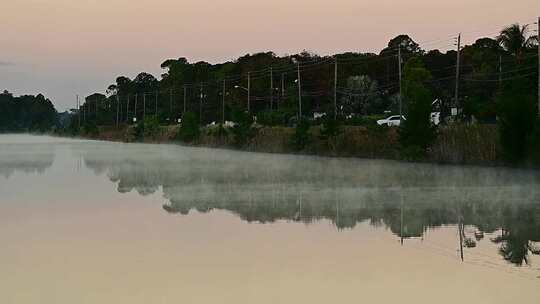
(515, 39)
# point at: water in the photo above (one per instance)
(97, 222)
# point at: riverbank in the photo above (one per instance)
(457, 144)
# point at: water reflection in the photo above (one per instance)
(407, 199)
(26, 158)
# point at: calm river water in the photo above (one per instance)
(99, 222)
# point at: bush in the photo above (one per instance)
(301, 136)
(533, 152)
(73, 128)
(217, 130)
(370, 120)
(90, 128)
(517, 115)
(330, 128)
(138, 131)
(274, 118)
(189, 130)
(242, 129)
(418, 131)
(151, 127)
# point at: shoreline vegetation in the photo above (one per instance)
(474, 105)
(456, 145)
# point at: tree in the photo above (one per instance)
(417, 131)
(301, 136)
(517, 114)
(361, 92)
(519, 235)
(483, 65)
(189, 129)
(533, 145)
(515, 39)
(242, 129)
(178, 72)
(145, 82)
(408, 46)
(26, 113)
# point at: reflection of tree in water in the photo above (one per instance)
(25, 158)
(520, 232)
(407, 199)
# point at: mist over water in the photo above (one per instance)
(200, 225)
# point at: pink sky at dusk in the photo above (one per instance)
(65, 47)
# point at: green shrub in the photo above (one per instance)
(330, 128)
(73, 128)
(517, 115)
(533, 152)
(90, 128)
(151, 127)
(301, 136)
(274, 118)
(242, 129)
(377, 129)
(217, 130)
(138, 131)
(370, 120)
(417, 133)
(189, 129)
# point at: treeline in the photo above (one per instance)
(26, 113)
(497, 83)
(367, 83)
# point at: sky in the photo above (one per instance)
(61, 48)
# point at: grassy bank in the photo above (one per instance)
(457, 144)
(467, 144)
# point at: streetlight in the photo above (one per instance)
(248, 93)
(241, 87)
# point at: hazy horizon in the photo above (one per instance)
(60, 48)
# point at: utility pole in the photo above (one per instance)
(458, 61)
(400, 85)
(335, 87)
(223, 105)
(170, 106)
(249, 92)
(200, 103)
(135, 112)
(156, 103)
(120, 110)
(78, 111)
(117, 108)
(299, 93)
(271, 88)
(127, 109)
(282, 86)
(144, 106)
(184, 112)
